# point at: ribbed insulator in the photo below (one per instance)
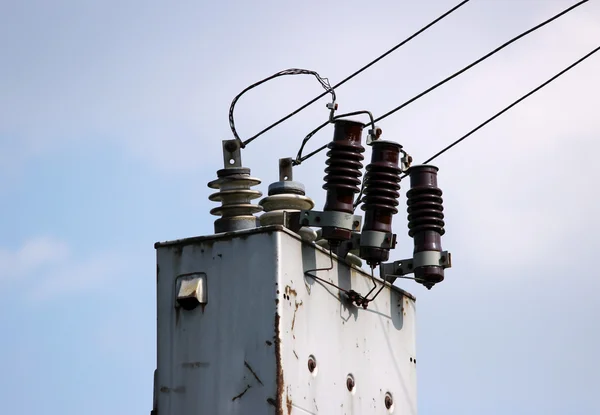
(381, 189)
(344, 166)
(380, 198)
(343, 173)
(235, 195)
(381, 181)
(286, 196)
(424, 200)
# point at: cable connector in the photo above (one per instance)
(374, 134)
(333, 106)
(405, 161)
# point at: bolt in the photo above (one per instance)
(388, 401)
(231, 146)
(350, 383)
(312, 364)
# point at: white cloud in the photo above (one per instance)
(34, 255)
(45, 268)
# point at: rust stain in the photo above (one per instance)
(177, 313)
(279, 390)
(298, 304)
(290, 291)
(288, 403)
(253, 373)
(241, 394)
(195, 365)
(179, 389)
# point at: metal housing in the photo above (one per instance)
(266, 339)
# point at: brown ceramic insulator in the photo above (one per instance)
(343, 174)
(426, 219)
(381, 195)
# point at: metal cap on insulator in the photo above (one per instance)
(235, 194)
(379, 201)
(286, 196)
(426, 224)
(342, 179)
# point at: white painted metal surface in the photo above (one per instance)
(247, 349)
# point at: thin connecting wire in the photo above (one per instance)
(309, 273)
(323, 81)
(312, 101)
(356, 298)
(466, 68)
(533, 91)
(299, 158)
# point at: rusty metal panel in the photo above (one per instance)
(270, 340)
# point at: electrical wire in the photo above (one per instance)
(484, 57)
(354, 297)
(373, 62)
(299, 158)
(471, 65)
(533, 91)
(323, 81)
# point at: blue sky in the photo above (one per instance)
(111, 117)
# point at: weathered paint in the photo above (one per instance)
(248, 350)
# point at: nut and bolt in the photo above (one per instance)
(388, 401)
(350, 383)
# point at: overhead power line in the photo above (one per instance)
(373, 62)
(461, 71)
(484, 57)
(533, 91)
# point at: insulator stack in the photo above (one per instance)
(286, 195)
(235, 194)
(379, 201)
(425, 221)
(343, 174)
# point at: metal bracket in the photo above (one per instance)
(347, 246)
(340, 220)
(405, 161)
(393, 270)
(378, 239)
(232, 157)
(285, 170)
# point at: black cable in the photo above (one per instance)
(484, 57)
(323, 81)
(449, 78)
(299, 159)
(408, 39)
(533, 91)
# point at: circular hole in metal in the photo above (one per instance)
(350, 383)
(389, 402)
(312, 365)
(231, 161)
